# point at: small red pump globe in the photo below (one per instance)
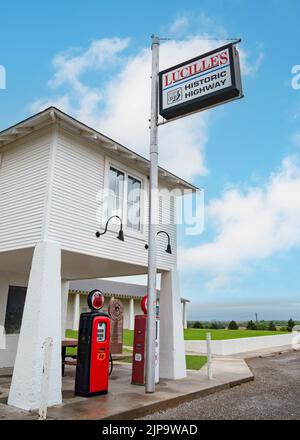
(144, 303)
(95, 300)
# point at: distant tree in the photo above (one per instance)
(190, 324)
(262, 326)
(290, 324)
(217, 325)
(251, 325)
(198, 324)
(233, 325)
(272, 326)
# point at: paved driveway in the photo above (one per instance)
(275, 394)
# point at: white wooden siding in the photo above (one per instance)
(78, 178)
(23, 183)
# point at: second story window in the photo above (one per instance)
(133, 203)
(124, 198)
(116, 192)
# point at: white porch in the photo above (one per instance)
(45, 271)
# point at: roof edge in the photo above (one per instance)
(55, 113)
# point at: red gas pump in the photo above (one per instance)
(139, 346)
(92, 368)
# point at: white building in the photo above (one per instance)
(53, 173)
(129, 294)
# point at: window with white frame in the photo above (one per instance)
(116, 192)
(134, 203)
(124, 197)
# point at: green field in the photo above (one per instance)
(200, 334)
(193, 334)
(193, 362)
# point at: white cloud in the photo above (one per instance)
(251, 224)
(61, 102)
(120, 105)
(71, 64)
(128, 106)
(250, 69)
(179, 25)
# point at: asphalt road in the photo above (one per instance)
(274, 395)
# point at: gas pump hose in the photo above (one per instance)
(111, 364)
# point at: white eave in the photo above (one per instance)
(53, 115)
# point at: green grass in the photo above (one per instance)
(72, 334)
(71, 351)
(128, 337)
(195, 362)
(200, 334)
(192, 362)
(190, 334)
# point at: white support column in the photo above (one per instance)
(131, 314)
(184, 318)
(41, 320)
(64, 305)
(172, 353)
(76, 313)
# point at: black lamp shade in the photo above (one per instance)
(169, 250)
(121, 235)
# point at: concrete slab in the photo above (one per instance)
(126, 401)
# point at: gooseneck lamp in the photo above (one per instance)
(120, 235)
(168, 250)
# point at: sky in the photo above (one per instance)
(92, 59)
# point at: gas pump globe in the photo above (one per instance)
(95, 300)
(93, 353)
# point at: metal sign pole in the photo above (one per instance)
(153, 211)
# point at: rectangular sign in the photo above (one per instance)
(200, 83)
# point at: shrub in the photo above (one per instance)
(251, 325)
(198, 324)
(233, 325)
(217, 325)
(262, 326)
(283, 329)
(290, 324)
(272, 326)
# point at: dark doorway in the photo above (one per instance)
(14, 309)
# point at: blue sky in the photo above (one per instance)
(245, 154)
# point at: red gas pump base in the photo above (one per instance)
(139, 343)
